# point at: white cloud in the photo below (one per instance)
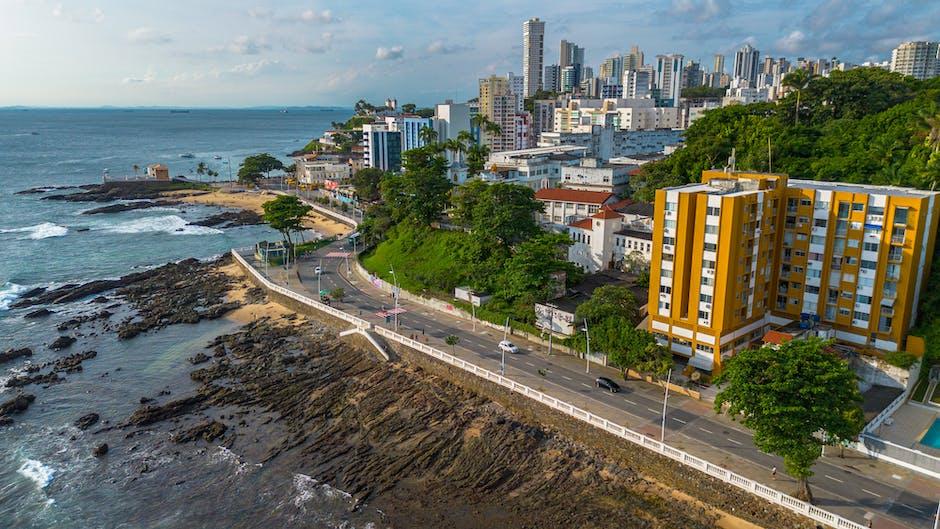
(700, 10)
(389, 54)
(324, 45)
(245, 45)
(57, 10)
(145, 35)
(312, 15)
(793, 42)
(254, 68)
(98, 15)
(149, 77)
(443, 48)
(260, 12)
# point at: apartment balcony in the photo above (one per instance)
(898, 240)
(889, 295)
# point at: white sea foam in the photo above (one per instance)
(226, 455)
(8, 294)
(171, 224)
(40, 474)
(39, 231)
(309, 488)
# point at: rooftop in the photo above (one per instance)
(636, 234)
(582, 292)
(572, 195)
(862, 188)
(583, 224)
(642, 209)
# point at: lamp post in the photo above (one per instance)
(587, 354)
(662, 435)
(319, 284)
(395, 293)
(551, 327)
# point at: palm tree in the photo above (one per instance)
(482, 122)
(136, 168)
(427, 135)
(201, 168)
(798, 80)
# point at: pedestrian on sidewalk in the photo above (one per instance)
(773, 472)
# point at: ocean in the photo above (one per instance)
(48, 477)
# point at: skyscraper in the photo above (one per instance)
(747, 64)
(533, 43)
(920, 60)
(634, 59)
(551, 82)
(719, 64)
(669, 78)
(612, 68)
(638, 83)
(571, 55)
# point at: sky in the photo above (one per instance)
(232, 53)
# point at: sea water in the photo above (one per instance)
(48, 475)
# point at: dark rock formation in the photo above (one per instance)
(62, 342)
(73, 323)
(73, 363)
(44, 380)
(111, 191)
(39, 313)
(231, 219)
(198, 358)
(87, 421)
(207, 431)
(13, 354)
(130, 206)
(17, 404)
(100, 450)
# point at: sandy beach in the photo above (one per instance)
(252, 200)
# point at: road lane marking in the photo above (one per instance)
(739, 443)
(679, 420)
(630, 401)
(834, 479)
(872, 493)
(652, 410)
(530, 364)
(912, 508)
(567, 378)
(706, 431)
(585, 385)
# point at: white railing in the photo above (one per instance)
(774, 496)
(885, 413)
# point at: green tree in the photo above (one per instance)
(419, 193)
(409, 108)
(427, 135)
(452, 340)
(201, 168)
(506, 212)
(367, 183)
(609, 301)
(338, 293)
(136, 168)
(249, 173)
(526, 275)
(797, 80)
(286, 214)
(626, 346)
(251, 169)
(464, 199)
(477, 155)
(795, 398)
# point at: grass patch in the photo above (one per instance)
(312, 246)
(425, 260)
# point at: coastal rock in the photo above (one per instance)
(100, 450)
(207, 431)
(130, 206)
(40, 313)
(73, 292)
(62, 342)
(131, 190)
(31, 293)
(87, 421)
(73, 362)
(13, 354)
(177, 408)
(198, 358)
(24, 380)
(231, 219)
(73, 323)
(17, 404)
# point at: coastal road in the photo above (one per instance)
(855, 487)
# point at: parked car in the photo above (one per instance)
(508, 347)
(317, 271)
(608, 384)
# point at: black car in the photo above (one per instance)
(608, 384)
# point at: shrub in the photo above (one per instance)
(900, 359)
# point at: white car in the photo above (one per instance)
(317, 271)
(508, 347)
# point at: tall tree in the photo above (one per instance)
(427, 135)
(526, 275)
(506, 213)
(795, 398)
(367, 183)
(609, 301)
(419, 194)
(797, 80)
(286, 214)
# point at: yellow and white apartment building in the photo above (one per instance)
(743, 253)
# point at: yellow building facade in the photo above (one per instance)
(743, 253)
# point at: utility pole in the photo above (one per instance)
(319, 275)
(587, 354)
(473, 315)
(395, 293)
(662, 436)
(551, 328)
(506, 329)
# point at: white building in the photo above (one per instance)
(745, 96)
(381, 147)
(638, 83)
(746, 64)
(312, 170)
(409, 125)
(537, 168)
(533, 44)
(606, 143)
(605, 239)
(563, 206)
(920, 60)
(669, 69)
(595, 175)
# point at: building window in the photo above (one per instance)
(663, 289)
(704, 298)
(817, 239)
(870, 246)
(710, 210)
(844, 311)
(705, 348)
(843, 210)
(670, 224)
(858, 206)
(900, 216)
(672, 206)
(711, 247)
(863, 299)
(711, 229)
(805, 202)
(703, 315)
(860, 316)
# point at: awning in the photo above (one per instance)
(702, 362)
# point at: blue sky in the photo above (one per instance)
(331, 52)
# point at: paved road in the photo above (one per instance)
(855, 487)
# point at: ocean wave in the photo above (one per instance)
(308, 488)
(40, 474)
(39, 231)
(227, 456)
(8, 294)
(172, 224)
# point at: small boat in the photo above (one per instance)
(187, 155)
(216, 157)
(284, 112)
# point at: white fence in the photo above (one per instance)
(771, 495)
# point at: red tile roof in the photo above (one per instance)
(621, 204)
(777, 337)
(584, 224)
(571, 195)
(606, 213)
(634, 172)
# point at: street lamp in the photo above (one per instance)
(319, 284)
(395, 293)
(662, 435)
(587, 354)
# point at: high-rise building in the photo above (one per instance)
(692, 76)
(634, 59)
(517, 87)
(768, 66)
(638, 83)
(551, 82)
(742, 253)
(920, 60)
(382, 147)
(669, 78)
(719, 66)
(612, 68)
(569, 78)
(533, 44)
(409, 126)
(543, 115)
(747, 64)
(499, 104)
(571, 55)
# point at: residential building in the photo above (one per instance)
(634, 59)
(516, 86)
(450, 119)
(605, 239)
(747, 64)
(321, 168)
(570, 54)
(920, 60)
(543, 115)
(592, 174)
(563, 206)
(569, 78)
(611, 91)
(158, 171)
(719, 65)
(692, 75)
(669, 70)
(551, 82)
(607, 143)
(409, 125)
(536, 168)
(533, 44)
(638, 83)
(499, 104)
(741, 253)
(381, 147)
(612, 69)
(745, 96)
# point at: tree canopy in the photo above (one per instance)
(609, 301)
(367, 183)
(285, 214)
(254, 166)
(795, 399)
(501, 211)
(419, 194)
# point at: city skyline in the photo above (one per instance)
(332, 54)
